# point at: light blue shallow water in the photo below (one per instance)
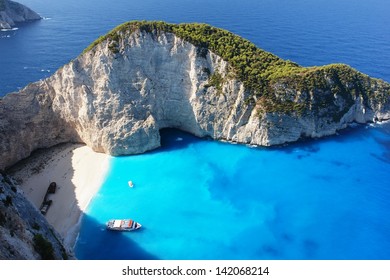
(197, 199)
(200, 199)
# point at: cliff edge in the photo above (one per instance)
(145, 76)
(12, 13)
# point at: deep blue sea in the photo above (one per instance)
(200, 199)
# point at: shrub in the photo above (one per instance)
(43, 247)
(36, 226)
(6, 179)
(216, 80)
(7, 201)
(257, 69)
(2, 219)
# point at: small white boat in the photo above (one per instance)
(123, 225)
(131, 184)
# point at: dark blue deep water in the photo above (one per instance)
(308, 32)
(199, 199)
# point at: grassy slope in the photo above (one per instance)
(259, 70)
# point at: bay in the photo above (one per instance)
(200, 199)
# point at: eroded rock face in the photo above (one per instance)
(116, 98)
(12, 13)
(24, 232)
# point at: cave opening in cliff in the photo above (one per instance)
(174, 138)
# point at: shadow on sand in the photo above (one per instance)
(55, 164)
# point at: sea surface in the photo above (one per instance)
(201, 199)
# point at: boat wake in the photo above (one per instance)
(7, 30)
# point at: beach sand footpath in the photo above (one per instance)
(78, 172)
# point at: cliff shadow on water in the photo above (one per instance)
(95, 242)
(113, 245)
(62, 164)
(176, 139)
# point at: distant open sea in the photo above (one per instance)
(200, 199)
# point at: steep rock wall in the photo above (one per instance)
(118, 95)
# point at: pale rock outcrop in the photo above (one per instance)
(12, 13)
(118, 95)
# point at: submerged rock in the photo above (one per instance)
(145, 76)
(12, 13)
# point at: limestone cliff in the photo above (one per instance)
(143, 77)
(12, 13)
(24, 232)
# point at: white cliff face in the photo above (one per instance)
(117, 96)
(118, 102)
(12, 13)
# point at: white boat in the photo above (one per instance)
(123, 225)
(130, 184)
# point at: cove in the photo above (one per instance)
(202, 199)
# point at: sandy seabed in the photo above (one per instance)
(78, 172)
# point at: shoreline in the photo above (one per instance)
(78, 172)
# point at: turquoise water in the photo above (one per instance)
(200, 199)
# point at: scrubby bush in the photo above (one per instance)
(7, 201)
(257, 69)
(43, 247)
(36, 226)
(2, 219)
(216, 80)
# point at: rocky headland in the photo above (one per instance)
(12, 13)
(145, 76)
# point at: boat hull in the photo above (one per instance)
(123, 225)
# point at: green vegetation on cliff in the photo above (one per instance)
(43, 247)
(261, 71)
(253, 66)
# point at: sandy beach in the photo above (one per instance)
(78, 173)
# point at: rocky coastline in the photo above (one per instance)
(13, 13)
(145, 76)
(118, 94)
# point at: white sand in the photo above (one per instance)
(78, 171)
